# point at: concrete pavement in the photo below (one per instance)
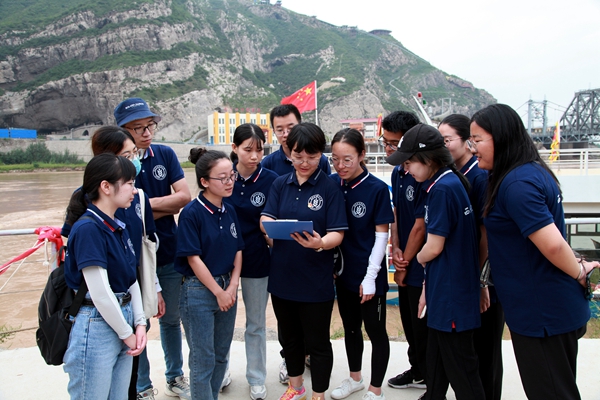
(24, 375)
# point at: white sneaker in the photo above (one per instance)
(179, 387)
(347, 387)
(226, 380)
(283, 375)
(258, 392)
(372, 396)
(147, 394)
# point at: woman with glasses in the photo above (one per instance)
(118, 141)
(209, 256)
(455, 130)
(249, 197)
(540, 283)
(450, 257)
(361, 285)
(301, 276)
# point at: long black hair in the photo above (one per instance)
(513, 146)
(245, 132)
(204, 160)
(103, 167)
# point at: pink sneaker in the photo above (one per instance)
(293, 394)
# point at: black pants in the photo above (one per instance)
(372, 313)
(451, 358)
(548, 365)
(488, 346)
(415, 329)
(306, 324)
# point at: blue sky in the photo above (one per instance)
(516, 50)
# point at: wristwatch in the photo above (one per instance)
(320, 249)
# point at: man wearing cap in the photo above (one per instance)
(408, 236)
(162, 179)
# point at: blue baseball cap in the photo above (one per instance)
(133, 109)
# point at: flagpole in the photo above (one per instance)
(316, 105)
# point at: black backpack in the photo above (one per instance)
(58, 301)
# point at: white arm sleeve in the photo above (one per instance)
(136, 303)
(377, 254)
(105, 300)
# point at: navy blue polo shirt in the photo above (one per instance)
(538, 298)
(160, 170)
(368, 204)
(409, 202)
(281, 165)
(478, 178)
(298, 273)
(452, 278)
(101, 242)
(210, 232)
(132, 217)
(249, 198)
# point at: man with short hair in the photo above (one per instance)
(163, 181)
(408, 236)
(283, 119)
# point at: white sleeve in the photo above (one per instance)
(377, 254)
(136, 303)
(105, 300)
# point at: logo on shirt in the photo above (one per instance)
(468, 210)
(159, 172)
(233, 230)
(426, 214)
(315, 202)
(410, 193)
(130, 246)
(138, 210)
(559, 198)
(257, 199)
(359, 209)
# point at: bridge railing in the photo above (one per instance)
(583, 160)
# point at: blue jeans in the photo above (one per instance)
(96, 359)
(255, 295)
(170, 330)
(209, 332)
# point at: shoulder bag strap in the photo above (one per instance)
(143, 209)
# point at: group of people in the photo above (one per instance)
(462, 195)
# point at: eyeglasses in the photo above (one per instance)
(281, 132)
(346, 162)
(473, 144)
(151, 127)
(448, 140)
(231, 178)
(131, 155)
(385, 143)
(312, 161)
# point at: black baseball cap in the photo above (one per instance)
(419, 138)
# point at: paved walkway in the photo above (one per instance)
(24, 375)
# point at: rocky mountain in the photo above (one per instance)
(66, 64)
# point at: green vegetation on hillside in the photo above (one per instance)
(38, 153)
(33, 15)
(175, 89)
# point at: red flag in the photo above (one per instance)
(305, 99)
